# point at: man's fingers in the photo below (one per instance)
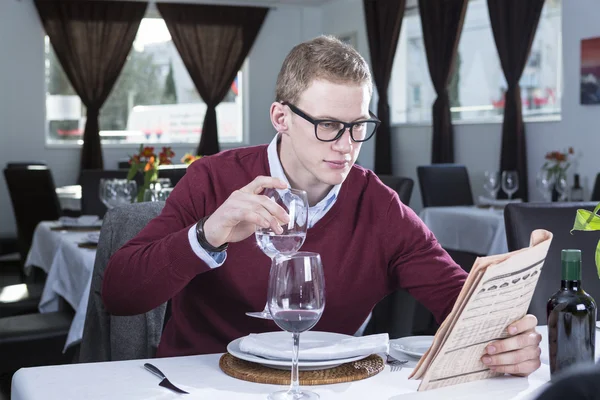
(523, 369)
(274, 209)
(530, 338)
(513, 357)
(526, 323)
(263, 182)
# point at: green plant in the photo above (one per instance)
(586, 220)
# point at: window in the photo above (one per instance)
(477, 86)
(153, 101)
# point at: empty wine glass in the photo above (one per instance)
(492, 183)
(510, 183)
(295, 204)
(296, 301)
(117, 192)
(562, 187)
(545, 184)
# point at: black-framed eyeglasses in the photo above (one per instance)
(330, 130)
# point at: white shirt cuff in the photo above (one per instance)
(213, 260)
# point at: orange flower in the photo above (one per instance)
(149, 164)
(147, 152)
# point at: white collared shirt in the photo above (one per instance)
(315, 213)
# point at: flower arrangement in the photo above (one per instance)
(589, 221)
(146, 162)
(189, 158)
(557, 163)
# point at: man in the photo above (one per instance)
(201, 252)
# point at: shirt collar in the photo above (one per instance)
(277, 172)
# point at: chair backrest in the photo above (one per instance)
(596, 190)
(107, 337)
(33, 196)
(24, 164)
(444, 185)
(521, 219)
(89, 179)
(173, 172)
(402, 185)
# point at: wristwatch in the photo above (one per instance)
(202, 239)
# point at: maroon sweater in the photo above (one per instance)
(370, 244)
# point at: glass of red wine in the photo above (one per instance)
(295, 204)
(296, 301)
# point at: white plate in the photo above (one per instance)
(304, 365)
(414, 346)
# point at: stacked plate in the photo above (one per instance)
(414, 346)
(307, 339)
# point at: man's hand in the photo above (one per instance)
(238, 216)
(518, 354)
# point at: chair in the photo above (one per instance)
(33, 196)
(403, 186)
(107, 337)
(173, 172)
(90, 193)
(596, 190)
(25, 164)
(445, 185)
(522, 219)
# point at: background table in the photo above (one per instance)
(69, 270)
(467, 228)
(202, 377)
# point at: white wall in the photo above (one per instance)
(478, 145)
(22, 90)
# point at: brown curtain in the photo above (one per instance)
(91, 40)
(442, 22)
(384, 20)
(514, 23)
(213, 42)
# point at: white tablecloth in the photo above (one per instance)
(201, 376)
(467, 228)
(69, 270)
(69, 197)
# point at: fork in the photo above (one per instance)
(395, 364)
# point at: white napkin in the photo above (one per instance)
(93, 237)
(84, 220)
(263, 345)
(486, 201)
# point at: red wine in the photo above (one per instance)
(571, 318)
(296, 321)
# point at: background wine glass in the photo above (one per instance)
(492, 183)
(510, 183)
(117, 192)
(295, 203)
(296, 301)
(545, 183)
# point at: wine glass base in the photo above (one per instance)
(261, 314)
(286, 395)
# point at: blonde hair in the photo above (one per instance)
(324, 57)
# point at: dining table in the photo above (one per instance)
(201, 376)
(57, 250)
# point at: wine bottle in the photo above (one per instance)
(571, 318)
(576, 190)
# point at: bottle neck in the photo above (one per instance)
(576, 185)
(570, 285)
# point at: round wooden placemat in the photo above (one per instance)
(252, 372)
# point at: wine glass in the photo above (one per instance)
(510, 183)
(492, 183)
(296, 301)
(562, 187)
(295, 203)
(117, 192)
(545, 183)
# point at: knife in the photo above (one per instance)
(165, 382)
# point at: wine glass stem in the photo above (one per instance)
(295, 384)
